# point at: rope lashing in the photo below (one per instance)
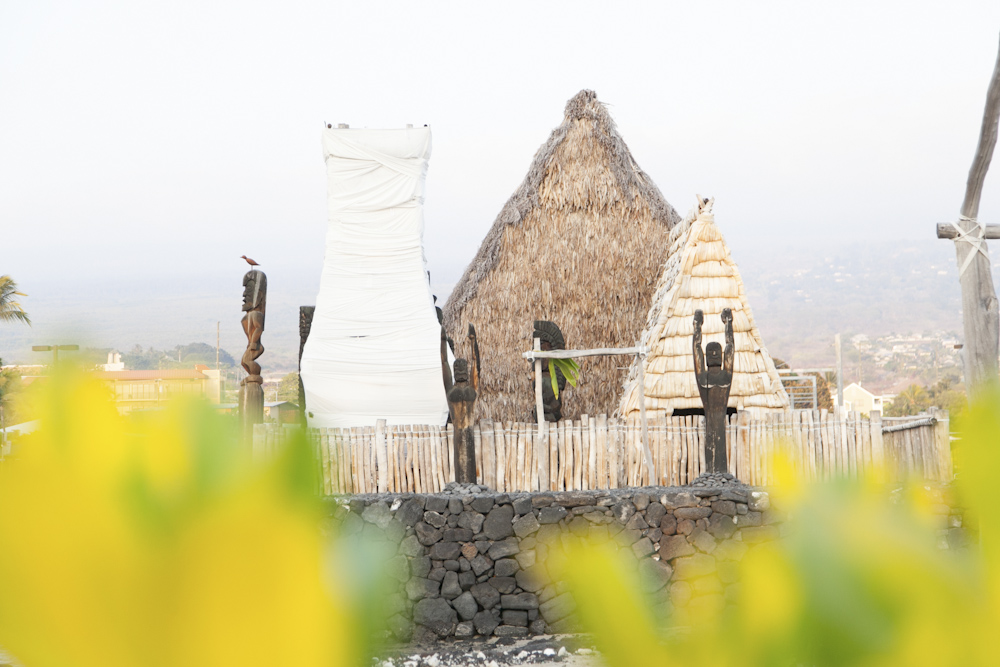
(976, 237)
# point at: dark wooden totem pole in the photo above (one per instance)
(251, 391)
(462, 407)
(305, 325)
(713, 369)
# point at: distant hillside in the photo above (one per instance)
(801, 296)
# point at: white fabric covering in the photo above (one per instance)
(374, 350)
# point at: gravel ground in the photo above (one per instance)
(566, 650)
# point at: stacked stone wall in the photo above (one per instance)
(474, 563)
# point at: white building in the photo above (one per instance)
(857, 398)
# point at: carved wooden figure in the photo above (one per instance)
(474, 371)
(462, 406)
(551, 338)
(305, 326)
(252, 393)
(713, 369)
(446, 344)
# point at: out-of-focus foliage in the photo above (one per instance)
(947, 393)
(288, 389)
(10, 387)
(182, 356)
(15, 397)
(860, 580)
(158, 542)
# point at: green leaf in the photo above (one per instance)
(570, 370)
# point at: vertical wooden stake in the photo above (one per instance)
(942, 445)
(380, 456)
(539, 408)
(640, 358)
(602, 449)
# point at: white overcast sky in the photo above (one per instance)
(146, 140)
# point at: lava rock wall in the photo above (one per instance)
(468, 564)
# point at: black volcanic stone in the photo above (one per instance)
(487, 596)
(505, 585)
(482, 504)
(458, 535)
(553, 514)
(522, 505)
(436, 614)
(446, 551)
(437, 504)
(427, 534)
(498, 523)
(485, 623)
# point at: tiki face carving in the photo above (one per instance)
(461, 371)
(713, 355)
(254, 291)
(254, 305)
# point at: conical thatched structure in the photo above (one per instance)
(700, 274)
(580, 243)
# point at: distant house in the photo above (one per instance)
(145, 390)
(282, 412)
(859, 399)
(13, 432)
(115, 362)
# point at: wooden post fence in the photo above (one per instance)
(606, 453)
(536, 355)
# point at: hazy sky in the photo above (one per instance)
(140, 141)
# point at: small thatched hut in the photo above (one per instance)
(700, 274)
(580, 243)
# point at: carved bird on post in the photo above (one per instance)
(249, 261)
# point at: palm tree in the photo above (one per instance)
(10, 309)
(908, 402)
(8, 383)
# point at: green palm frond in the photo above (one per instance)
(570, 370)
(10, 308)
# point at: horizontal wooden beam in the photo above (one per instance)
(945, 230)
(917, 423)
(531, 355)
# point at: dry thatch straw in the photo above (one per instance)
(700, 274)
(581, 243)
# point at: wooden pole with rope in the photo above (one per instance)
(980, 316)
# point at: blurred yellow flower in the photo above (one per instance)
(155, 542)
(859, 580)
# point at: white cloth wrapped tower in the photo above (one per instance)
(374, 348)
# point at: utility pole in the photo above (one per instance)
(217, 346)
(840, 372)
(980, 315)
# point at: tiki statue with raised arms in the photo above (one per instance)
(713, 369)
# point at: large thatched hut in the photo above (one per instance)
(700, 274)
(580, 243)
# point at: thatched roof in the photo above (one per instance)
(700, 274)
(580, 243)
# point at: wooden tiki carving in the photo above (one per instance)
(462, 396)
(551, 338)
(254, 305)
(462, 405)
(305, 326)
(713, 369)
